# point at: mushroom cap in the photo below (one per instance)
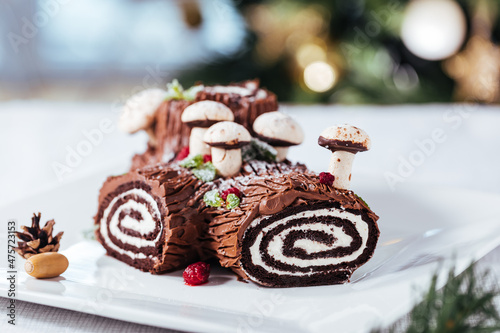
(206, 113)
(278, 129)
(227, 135)
(139, 110)
(345, 137)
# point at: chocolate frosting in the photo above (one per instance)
(177, 192)
(194, 231)
(266, 194)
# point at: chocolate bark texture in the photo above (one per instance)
(147, 218)
(171, 133)
(247, 103)
(290, 230)
(246, 100)
(151, 218)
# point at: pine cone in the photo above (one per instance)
(37, 240)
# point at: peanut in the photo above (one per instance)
(46, 265)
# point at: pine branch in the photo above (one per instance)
(464, 304)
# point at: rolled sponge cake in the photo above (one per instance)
(289, 229)
(147, 218)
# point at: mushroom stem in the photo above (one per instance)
(196, 143)
(152, 136)
(340, 167)
(226, 161)
(281, 153)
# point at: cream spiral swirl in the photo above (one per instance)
(305, 244)
(131, 224)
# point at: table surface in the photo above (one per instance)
(451, 145)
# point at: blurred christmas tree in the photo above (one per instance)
(367, 51)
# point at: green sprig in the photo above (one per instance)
(190, 94)
(258, 150)
(206, 172)
(464, 304)
(212, 199)
(192, 162)
(362, 200)
(232, 201)
(177, 92)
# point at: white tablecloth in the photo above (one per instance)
(452, 145)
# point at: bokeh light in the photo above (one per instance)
(319, 76)
(309, 53)
(433, 29)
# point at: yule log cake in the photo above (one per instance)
(275, 223)
(158, 112)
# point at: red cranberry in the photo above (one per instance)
(196, 274)
(326, 178)
(207, 158)
(232, 190)
(182, 154)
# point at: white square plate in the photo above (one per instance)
(420, 228)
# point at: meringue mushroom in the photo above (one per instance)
(280, 131)
(226, 139)
(139, 111)
(344, 141)
(200, 116)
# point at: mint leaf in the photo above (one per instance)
(213, 199)
(192, 162)
(360, 198)
(174, 90)
(190, 94)
(258, 150)
(206, 172)
(232, 201)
